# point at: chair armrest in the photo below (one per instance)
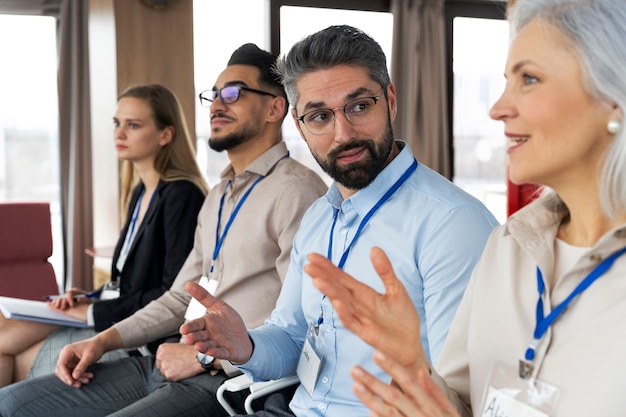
(257, 390)
(238, 383)
(261, 388)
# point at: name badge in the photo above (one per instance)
(110, 290)
(195, 309)
(311, 357)
(498, 404)
(308, 367)
(508, 395)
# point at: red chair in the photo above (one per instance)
(25, 246)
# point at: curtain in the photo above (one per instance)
(75, 142)
(30, 7)
(418, 70)
(74, 129)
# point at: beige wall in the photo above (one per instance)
(157, 47)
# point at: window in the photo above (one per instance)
(292, 23)
(297, 22)
(219, 29)
(478, 41)
(29, 151)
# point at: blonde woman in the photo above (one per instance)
(162, 192)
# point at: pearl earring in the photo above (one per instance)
(613, 126)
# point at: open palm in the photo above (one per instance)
(388, 322)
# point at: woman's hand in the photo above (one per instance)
(410, 394)
(71, 305)
(70, 300)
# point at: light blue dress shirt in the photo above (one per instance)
(433, 233)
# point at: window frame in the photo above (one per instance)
(275, 5)
(58, 258)
(482, 9)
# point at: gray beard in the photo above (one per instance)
(360, 174)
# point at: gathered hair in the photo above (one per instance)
(174, 161)
(335, 45)
(596, 31)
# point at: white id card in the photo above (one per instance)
(500, 404)
(195, 309)
(310, 361)
(308, 367)
(509, 395)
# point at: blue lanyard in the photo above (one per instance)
(366, 219)
(220, 239)
(544, 323)
(133, 222)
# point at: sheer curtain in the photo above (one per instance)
(419, 73)
(74, 128)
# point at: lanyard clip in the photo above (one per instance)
(320, 320)
(525, 369)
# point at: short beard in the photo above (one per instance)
(359, 175)
(245, 132)
(228, 142)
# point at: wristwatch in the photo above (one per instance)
(206, 361)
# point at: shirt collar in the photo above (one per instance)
(536, 225)
(263, 164)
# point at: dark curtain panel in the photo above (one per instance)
(419, 73)
(75, 142)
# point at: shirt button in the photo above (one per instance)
(344, 231)
(325, 380)
(595, 257)
(321, 406)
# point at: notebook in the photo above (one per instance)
(21, 309)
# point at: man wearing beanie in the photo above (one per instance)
(241, 253)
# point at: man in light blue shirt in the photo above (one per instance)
(433, 232)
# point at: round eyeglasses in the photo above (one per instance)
(357, 111)
(228, 94)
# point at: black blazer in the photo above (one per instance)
(161, 245)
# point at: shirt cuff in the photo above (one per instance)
(90, 320)
(229, 368)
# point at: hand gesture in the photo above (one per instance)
(388, 322)
(220, 332)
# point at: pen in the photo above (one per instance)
(76, 297)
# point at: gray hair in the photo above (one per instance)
(596, 30)
(335, 45)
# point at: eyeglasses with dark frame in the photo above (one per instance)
(228, 94)
(358, 111)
